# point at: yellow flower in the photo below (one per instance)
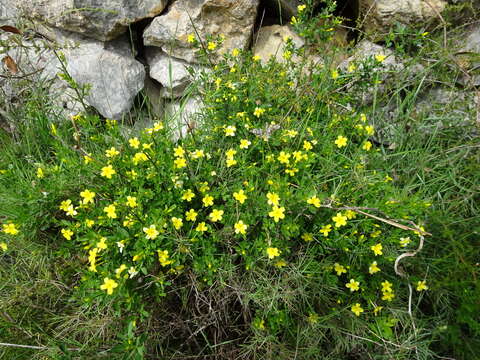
(339, 269)
(230, 153)
(373, 268)
(380, 57)
(71, 211)
(3, 246)
(340, 220)
(216, 215)
(89, 223)
(10, 229)
(283, 157)
(256, 58)
(291, 172)
(370, 130)
(258, 112)
(112, 152)
(353, 285)
(191, 215)
(177, 222)
(132, 201)
(244, 144)
(357, 309)
(230, 130)
(293, 20)
(422, 285)
(180, 163)
(326, 229)
(118, 271)
(367, 145)
(109, 285)
(110, 210)
(40, 173)
(102, 245)
(211, 46)
(151, 232)
(108, 171)
(273, 252)
(235, 52)
(315, 201)
(197, 154)
(300, 8)
(377, 249)
(240, 227)
(139, 157)
(87, 159)
(350, 214)
(67, 234)
(335, 74)
(277, 213)
(179, 152)
(387, 286)
(307, 237)
(207, 200)
(388, 296)
(134, 143)
(65, 204)
(87, 196)
(341, 141)
(280, 263)
(273, 199)
(191, 38)
(202, 227)
(231, 162)
(404, 241)
(377, 309)
(307, 145)
(188, 195)
(240, 196)
(351, 67)
(164, 258)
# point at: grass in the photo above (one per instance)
(431, 155)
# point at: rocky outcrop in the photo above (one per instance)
(381, 15)
(99, 19)
(231, 19)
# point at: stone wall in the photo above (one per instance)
(119, 46)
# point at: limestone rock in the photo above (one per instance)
(269, 41)
(381, 15)
(231, 18)
(468, 56)
(170, 72)
(112, 72)
(183, 116)
(99, 19)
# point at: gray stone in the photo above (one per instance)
(366, 49)
(231, 18)
(269, 42)
(170, 72)
(112, 72)
(382, 15)
(182, 116)
(99, 19)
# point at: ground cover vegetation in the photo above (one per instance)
(285, 224)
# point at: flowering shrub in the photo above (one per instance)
(278, 171)
(262, 183)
